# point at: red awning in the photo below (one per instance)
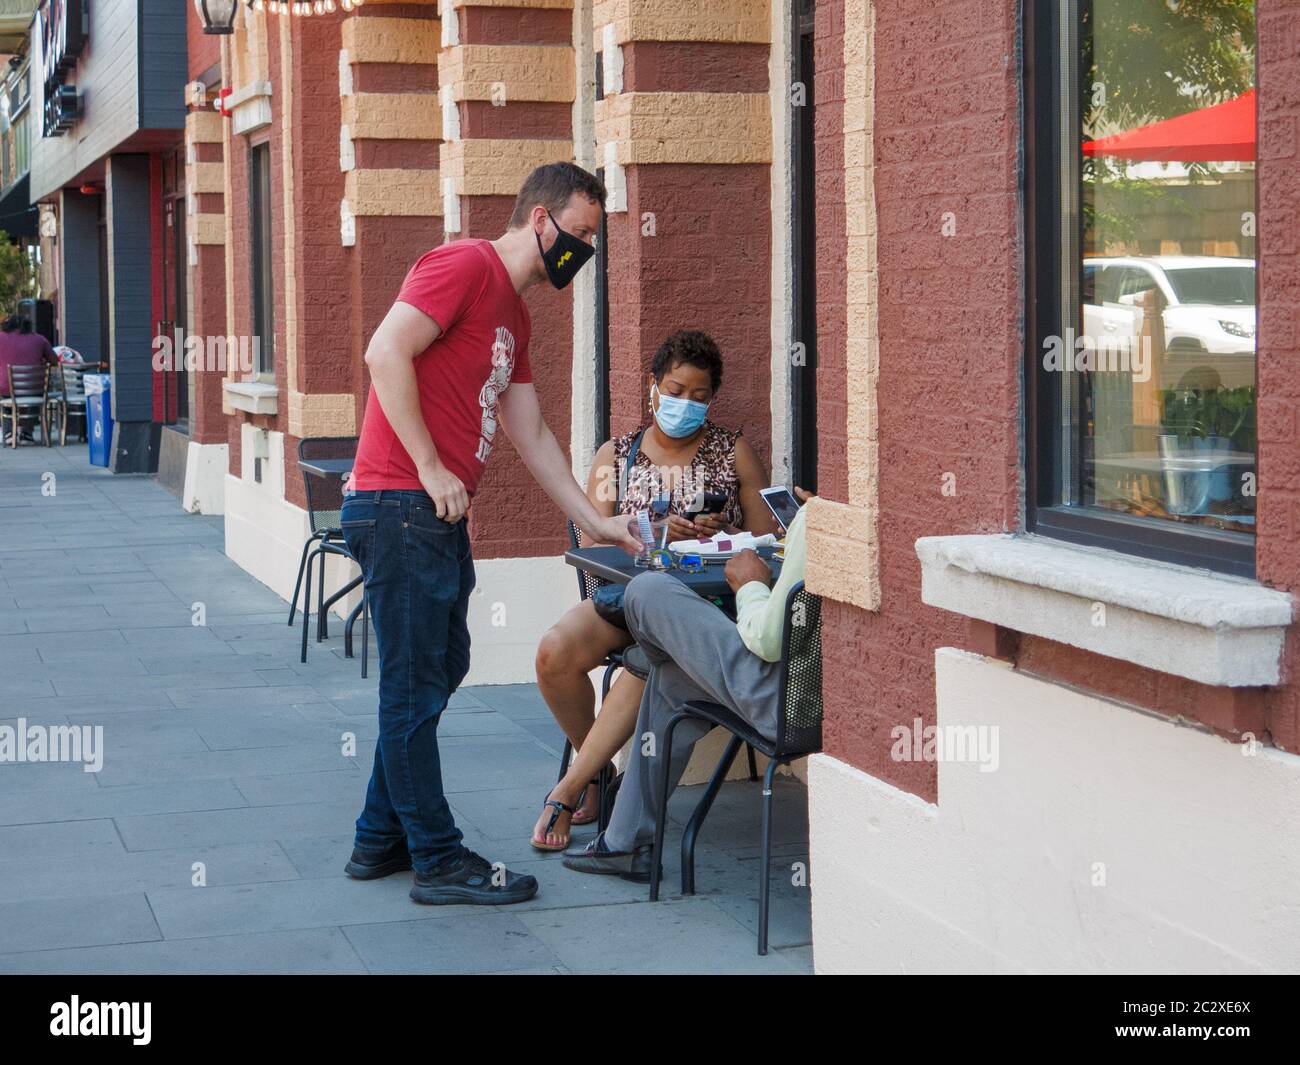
(1219, 133)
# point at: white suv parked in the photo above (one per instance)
(1210, 300)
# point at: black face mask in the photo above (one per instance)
(565, 257)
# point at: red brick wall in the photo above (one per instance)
(707, 267)
(511, 516)
(204, 48)
(328, 361)
(950, 318)
(832, 254)
(1278, 553)
(707, 264)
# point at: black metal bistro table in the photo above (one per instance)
(615, 564)
(326, 467)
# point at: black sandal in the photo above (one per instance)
(557, 808)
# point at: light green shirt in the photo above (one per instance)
(760, 610)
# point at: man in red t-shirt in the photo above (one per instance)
(448, 369)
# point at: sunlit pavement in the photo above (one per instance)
(214, 837)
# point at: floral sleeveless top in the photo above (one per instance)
(712, 470)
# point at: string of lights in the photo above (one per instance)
(219, 15)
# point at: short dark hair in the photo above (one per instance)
(551, 186)
(693, 347)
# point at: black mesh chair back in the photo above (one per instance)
(325, 494)
(799, 723)
(587, 584)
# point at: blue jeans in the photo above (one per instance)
(419, 574)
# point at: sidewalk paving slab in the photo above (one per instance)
(224, 753)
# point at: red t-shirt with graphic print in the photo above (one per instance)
(482, 347)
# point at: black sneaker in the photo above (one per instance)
(371, 864)
(471, 880)
(596, 857)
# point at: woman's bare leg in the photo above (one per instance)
(614, 724)
(571, 649)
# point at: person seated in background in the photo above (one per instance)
(19, 346)
(695, 652)
(677, 457)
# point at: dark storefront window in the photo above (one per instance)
(1141, 273)
(263, 273)
(803, 368)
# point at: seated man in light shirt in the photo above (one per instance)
(695, 652)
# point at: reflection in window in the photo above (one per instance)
(1165, 406)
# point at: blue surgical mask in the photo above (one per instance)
(679, 417)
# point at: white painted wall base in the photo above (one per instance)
(205, 478)
(1195, 841)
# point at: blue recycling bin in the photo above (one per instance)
(99, 416)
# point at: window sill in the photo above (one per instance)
(252, 396)
(1209, 628)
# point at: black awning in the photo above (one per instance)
(18, 216)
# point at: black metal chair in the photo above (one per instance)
(324, 511)
(798, 733)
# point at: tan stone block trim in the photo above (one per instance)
(508, 71)
(392, 116)
(208, 228)
(204, 127)
(725, 21)
(393, 192)
(485, 167)
(843, 554)
(685, 127)
(205, 177)
(843, 560)
(391, 40)
(325, 414)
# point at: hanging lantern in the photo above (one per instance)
(218, 15)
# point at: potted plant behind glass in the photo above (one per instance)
(1201, 428)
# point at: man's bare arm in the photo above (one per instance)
(403, 334)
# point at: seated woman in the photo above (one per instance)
(677, 457)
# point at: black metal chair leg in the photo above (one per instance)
(565, 755)
(603, 781)
(302, 564)
(765, 871)
(753, 765)
(322, 632)
(306, 603)
(661, 814)
(365, 634)
(693, 826)
(349, 625)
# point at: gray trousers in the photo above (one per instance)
(695, 652)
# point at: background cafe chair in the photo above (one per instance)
(324, 512)
(74, 400)
(55, 401)
(28, 400)
(798, 733)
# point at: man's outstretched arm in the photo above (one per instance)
(521, 416)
